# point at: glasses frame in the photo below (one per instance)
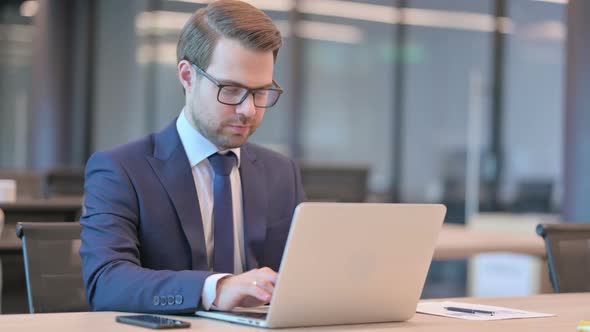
(249, 91)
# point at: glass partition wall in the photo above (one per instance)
(405, 92)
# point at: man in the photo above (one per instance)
(194, 217)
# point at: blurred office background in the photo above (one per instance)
(458, 102)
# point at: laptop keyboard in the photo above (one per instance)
(255, 315)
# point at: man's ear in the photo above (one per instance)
(185, 74)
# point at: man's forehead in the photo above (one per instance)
(231, 62)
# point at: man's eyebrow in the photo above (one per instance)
(230, 82)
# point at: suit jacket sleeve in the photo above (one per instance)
(113, 274)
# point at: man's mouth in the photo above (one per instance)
(239, 128)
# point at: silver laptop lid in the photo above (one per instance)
(348, 263)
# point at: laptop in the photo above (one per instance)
(349, 263)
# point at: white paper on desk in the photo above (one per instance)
(438, 309)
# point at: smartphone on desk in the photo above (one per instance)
(153, 322)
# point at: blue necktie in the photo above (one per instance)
(223, 221)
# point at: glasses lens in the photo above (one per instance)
(266, 98)
(232, 94)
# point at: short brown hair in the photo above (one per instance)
(230, 19)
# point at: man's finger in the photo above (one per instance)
(266, 285)
(255, 291)
(268, 275)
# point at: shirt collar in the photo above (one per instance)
(196, 146)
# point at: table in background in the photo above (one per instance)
(569, 308)
(461, 242)
(505, 256)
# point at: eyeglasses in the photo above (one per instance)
(235, 95)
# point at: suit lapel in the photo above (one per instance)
(254, 198)
(172, 167)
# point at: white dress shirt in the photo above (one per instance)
(198, 149)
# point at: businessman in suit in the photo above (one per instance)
(194, 217)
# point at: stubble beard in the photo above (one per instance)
(224, 141)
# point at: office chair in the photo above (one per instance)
(62, 182)
(533, 195)
(568, 256)
(335, 183)
(53, 266)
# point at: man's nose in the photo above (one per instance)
(247, 107)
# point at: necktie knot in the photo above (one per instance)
(222, 163)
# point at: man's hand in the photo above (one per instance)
(250, 289)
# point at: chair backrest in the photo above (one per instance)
(53, 266)
(533, 195)
(568, 256)
(61, 182)
(335, 183)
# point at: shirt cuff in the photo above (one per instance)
(209, 292)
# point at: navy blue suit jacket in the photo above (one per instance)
(143, 246)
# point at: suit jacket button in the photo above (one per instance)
(156, 300)
(179, 299)
(162, 300)
(170, 300)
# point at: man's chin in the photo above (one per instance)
(232, 142)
